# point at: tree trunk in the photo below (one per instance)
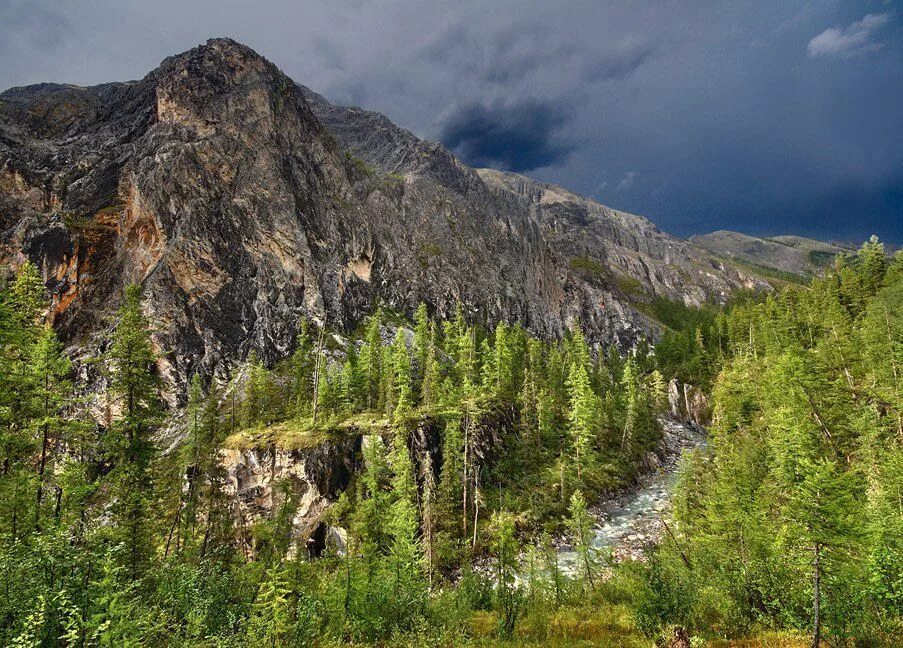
(464, 472)
(816, 599)
(42, 467)
(476, 504)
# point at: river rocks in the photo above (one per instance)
(632, 520)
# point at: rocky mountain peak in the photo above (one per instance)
(244, 202)
(223, 80)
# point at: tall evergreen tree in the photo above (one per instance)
(582, 415)
(135, 384)
(371, 361)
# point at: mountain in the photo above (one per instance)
(243, 202)
(624, 253)
(795, 256)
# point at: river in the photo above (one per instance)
(631, 519)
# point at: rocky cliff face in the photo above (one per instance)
(244, 202)
(624, 254)
(625, 251)
(259, 480)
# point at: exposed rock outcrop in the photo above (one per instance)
(689, 404)
(793, 255)
(260, 480)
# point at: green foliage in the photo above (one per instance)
(361, 167)
(479, 446)
(786, 521)
(587, 266)
(135, 383)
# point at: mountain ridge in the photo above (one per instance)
(243, 202)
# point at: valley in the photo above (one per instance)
(276, 371)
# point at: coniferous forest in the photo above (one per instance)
(118, 522)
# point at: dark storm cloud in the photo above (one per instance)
(766, 117)
(521, 137)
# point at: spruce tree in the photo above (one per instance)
(421, 346)
(302, 371)
(580, 524)
(371, 361)
(823, 507)
(50, 369)
(506, 549)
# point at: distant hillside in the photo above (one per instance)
(787, 257)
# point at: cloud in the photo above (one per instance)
(720, 135)
(517, 137)
(626, 181)
(848, 41)
(504, 57)
(618, 62)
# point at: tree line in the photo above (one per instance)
(788, 526)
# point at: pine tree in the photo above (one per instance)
(488, 369)
(467, 362)
(578, 350)
(353, 386)
(450, 491)
(400, 370)
(302, 371)
(261, 403)
(329, 391)
(200, 470)
(630, 383)
(429, 521)
(431, 391)
(50, 369)
(823, 508)
(506, 549)
(405, 553)
(269, 623)
(22, 306)
(371, 361)
(530, 392)
(421, 347)
(504, 363)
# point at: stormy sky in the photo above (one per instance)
(768, 117)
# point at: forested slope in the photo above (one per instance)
(794, 518)
(473, 451)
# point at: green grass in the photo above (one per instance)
(629, 286)
(587, 266)
(302, 434)
(426, 252)
(782, 278)
(359, 164)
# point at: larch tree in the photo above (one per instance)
(582, 415)
(135, 384)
